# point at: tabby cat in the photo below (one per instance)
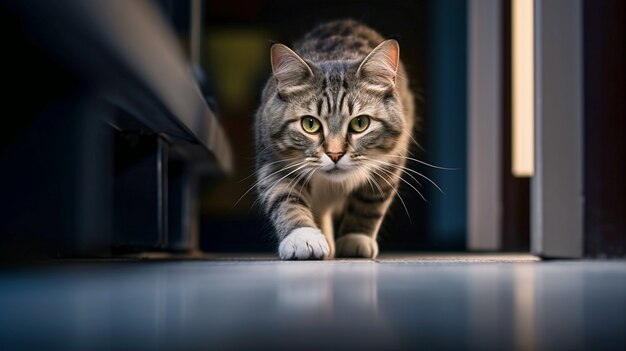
(332, 134)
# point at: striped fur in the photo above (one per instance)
(338, 71)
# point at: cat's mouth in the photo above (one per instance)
(335, 170)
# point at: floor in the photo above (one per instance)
(507, 302)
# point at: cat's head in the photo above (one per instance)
(336, 116)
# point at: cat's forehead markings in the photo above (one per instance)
(336, 123)
(346, 108)
(356, 107)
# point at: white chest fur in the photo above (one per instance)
(328, 196)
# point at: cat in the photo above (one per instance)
(332, 135)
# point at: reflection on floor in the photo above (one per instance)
(408, 302)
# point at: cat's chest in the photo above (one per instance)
(327, 196)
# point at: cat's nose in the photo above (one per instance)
(335, 156)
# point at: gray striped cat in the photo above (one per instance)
(332, 134)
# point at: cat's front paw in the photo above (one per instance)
(304, 244)
(356, 245)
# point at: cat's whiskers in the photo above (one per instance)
(371, 181)
(269, 164)
(416, 143)
(407, 183)
(394, 189)
(406, 169)
(271, 187)
(366, 170)
(399, 167)
(309, 177)
(424, 163)
(296, 180)
(267, 176)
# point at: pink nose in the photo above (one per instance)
(335, 156)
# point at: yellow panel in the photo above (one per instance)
(523, 88)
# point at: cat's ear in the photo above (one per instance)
(380, 67)
(289, 69)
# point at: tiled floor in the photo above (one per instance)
(405, 302)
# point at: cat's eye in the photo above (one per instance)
(311, 124)
(359, 124)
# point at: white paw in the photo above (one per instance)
(356, 245)
(304, 244)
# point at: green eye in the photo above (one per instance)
(310, 124)
(359, 124)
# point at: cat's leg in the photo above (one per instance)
(363, 214)
(290, 213)
(326, 224)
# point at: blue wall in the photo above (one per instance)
(446, 105)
